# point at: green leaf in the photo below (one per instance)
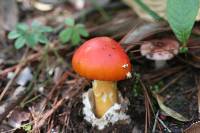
(183, 50)
(65, 35)
(27, 127)
(69, 21)
(32, 39)
(43, 39)
(13, 34)
(19, 43)
(181, 16)
(35, 24)
(82, 31)
(75, 38)
(22, 27)
(45, 29)
(38, 27)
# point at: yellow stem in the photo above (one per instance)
(105, 95)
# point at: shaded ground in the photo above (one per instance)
(55, 104)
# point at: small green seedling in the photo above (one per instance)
(27, 127)
(157, 87)
(73, 32)
(29, 35)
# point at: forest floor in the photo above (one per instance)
(161, 100)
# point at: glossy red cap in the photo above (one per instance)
(102, 58)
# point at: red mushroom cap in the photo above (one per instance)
(101, 58)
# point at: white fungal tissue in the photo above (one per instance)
(115, 114)
(125, 66)
(128, 75)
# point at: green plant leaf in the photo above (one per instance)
(45, 29)
(75, 38)
(43, 39)
(19, 43)
(183, 50)
(22, 27)
(181, 15)
(38, 27)
(32, 39)
(13, 34)
(82, 31)
(69, 21)
(65, 35)
(27, 127)
(35, 24)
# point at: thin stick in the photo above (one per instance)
(163, 124)
(155, 122)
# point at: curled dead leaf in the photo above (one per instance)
(168, 110)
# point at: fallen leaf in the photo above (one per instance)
(168, 110)
(194, 128)
(17, 117)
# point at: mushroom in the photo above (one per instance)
(160, 51)
(103, 60)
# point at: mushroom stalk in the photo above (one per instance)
(105, 96)
(160, 63)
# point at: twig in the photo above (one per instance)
(155, 122)
(163, 124)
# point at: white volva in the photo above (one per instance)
(114, 114)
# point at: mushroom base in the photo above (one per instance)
(114, 114)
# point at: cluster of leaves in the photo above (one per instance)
(36, 33)
(73, 32)
(29, 35)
